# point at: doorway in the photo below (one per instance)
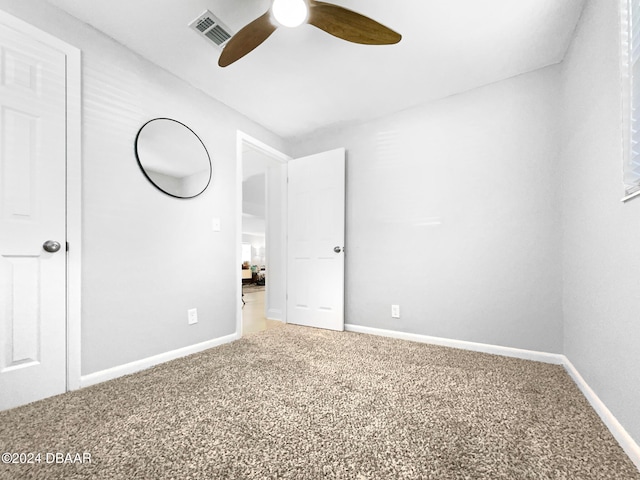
(261, 237)
(254, 252)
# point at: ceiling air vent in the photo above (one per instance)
(211, 28)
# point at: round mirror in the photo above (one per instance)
(173, 158)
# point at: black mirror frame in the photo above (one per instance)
(147, 176)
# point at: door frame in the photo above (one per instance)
(73, 190)
(243, 139)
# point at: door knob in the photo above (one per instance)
(51, 246)
(337, 249)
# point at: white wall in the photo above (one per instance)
(147, 257)
(601, 235)
(452, 213)
(254, 195)
(258, 251)
(253, 225)
(276, 254)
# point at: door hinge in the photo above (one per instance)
(66, 246)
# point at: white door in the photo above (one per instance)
(315, 263)
(32, 211)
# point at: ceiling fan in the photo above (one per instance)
(333, 19)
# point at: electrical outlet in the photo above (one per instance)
(192, 315)
(395, 311)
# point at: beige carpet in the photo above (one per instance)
(297, 403)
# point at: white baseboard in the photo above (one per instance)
(275, 314)
(544, 357)
(133, 367)
(627, 443)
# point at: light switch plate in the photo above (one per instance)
(215, 225)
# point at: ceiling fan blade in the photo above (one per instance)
(349, 25)
(248, 38)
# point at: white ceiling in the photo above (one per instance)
(303, 79)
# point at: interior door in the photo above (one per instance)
(32, 212)
(315, 263)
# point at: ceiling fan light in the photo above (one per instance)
(290, 13)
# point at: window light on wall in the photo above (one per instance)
(630, 67)
(246, 253)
